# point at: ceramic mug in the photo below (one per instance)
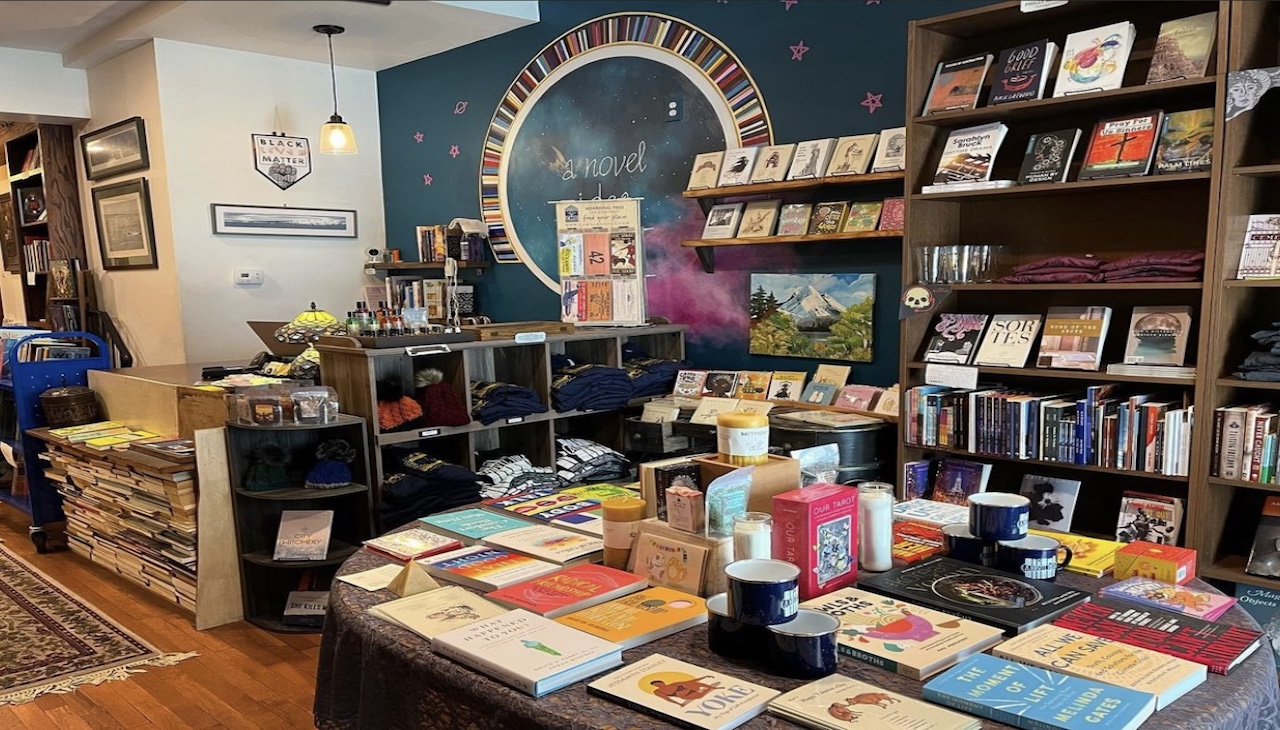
(961, 544)
(1034, 556)
(763, 592)
(999, 515)
(727, 636)
(805, 646)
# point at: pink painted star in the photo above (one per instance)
(788, 3)
(798, 51)
(418, 137)
(427, 179)
(872, 102)
(454, 151)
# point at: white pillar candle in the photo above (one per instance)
(875, 526)
(752, 536)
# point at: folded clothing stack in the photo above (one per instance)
(1264, 365)
(580, 460)
(588, 387)
(492, 402)
(418, 485)
(1156, 266)
(1057, 270)
(509, 475)
(649, 375)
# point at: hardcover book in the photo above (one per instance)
(759, 218)
(862, 217)
(1094, 60)
(835, 702)
(930, 512)
(836, 375)
(1073, 337)
(917, 479)
(955, 338)
(958, 479)
(1158, 335)
(433, 613)
(1092, 657)
(816, 529)
(484, 568)
(753, 384)
(891, 152)
(1022, 72)
(706, 171)
(1183, 48)
(1009, 602)
(1264, 606)
(737, 166)
(772, 163)
(684, 694)
(819, 394)
(899, 637)
(852, 154)
(1008, 340)
(1186, 142)
(1149, 518)
(1260, 252)
(892, 214)
(1218, 646)
(786, 385)
(1264, 557)
(956, 84)
(720, 384)
(1053, 501)
(305, 608)
(303, 534)
(528, 652)
(969, 154)
(1090, 556)
(670, 563)
(689, 383)
(471, 525)
(827, 218)
(1036, 699)
(412, 544)
(639, 618)
(722, 220)
(1122, 146)
(1048, 157)
(810, 160)
(551, 544)
(794, 219)
(568, 590)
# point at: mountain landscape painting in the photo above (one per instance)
(824, 316)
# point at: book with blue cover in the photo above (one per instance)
(472, 525)
(1037, 699)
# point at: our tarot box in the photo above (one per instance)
(1161, 562)
(816, 528)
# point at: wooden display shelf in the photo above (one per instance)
(1067, 188)
(338, 553)
(1238, 484)
(1271, 170)
(302, 493)
(416, 434)
(705, 247)
(276, 626)
(1099, 376)
(342, 420)
(1246, 384)
(791, 186)
(1231, 568)
(423, 265)
(1251, 283)
(34, 172)
(1090, 286)
(1050, 464)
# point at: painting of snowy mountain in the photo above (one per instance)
(813, 315)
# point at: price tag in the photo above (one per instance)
(429, 433)
(517, 419)
(419, 350)
(951, 376)
(526, 338)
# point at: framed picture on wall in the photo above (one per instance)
(126, 236)
(262, 220)
(115, 150)
(8, 235)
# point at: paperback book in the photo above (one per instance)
(305, 608)
(811, 158)
(720, 384)
(786, 385)
(670, 563)
(772, 163)
(835, 702)
(958, 479)
(1090, 556)
(1073, 337)
(1095, 59)
(1008, 340)
(1150, 518)
(1264, 557)
(543, 504)
(412, 544)
(471, 525)
(684, 694)
(303, 535)
(706, 171)
(640, 618)
(891, 152)
(955, 338)
(858, 397)
(551, 544)
(1022, 72)
(930, 512)
(737, 166)
(433, 613)
(759, 218)
(1183, 48)
(794, 219)
(899, 637)
(1264, 606)
(484, 568)
(914, 542)
(568, 590)
(722, 220)
(1122, 146)
(753, 385)
(1053, 501)
(1260, 252)
(956, 84)
(852, 155)
(1158, 336)
(917, 479)
(892, 214)
(827, 218)
(819, 394)
(969, 154)
(1186, 142)
(862, 217)
(1169, 597)
(1048, 157)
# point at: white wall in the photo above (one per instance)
(211, 100)
(35, 86)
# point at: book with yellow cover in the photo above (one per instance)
(1103, 660)
(682, 693)
(835, 702)
(102, 443)
(1089, 555)
(640, 617)
(69, 431)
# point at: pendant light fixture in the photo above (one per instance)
(336, 136)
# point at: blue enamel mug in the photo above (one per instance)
(805, 646)
(999, 515)
(763, 592)
(961, 544)
(729, 637)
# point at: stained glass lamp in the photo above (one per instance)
(310, 326)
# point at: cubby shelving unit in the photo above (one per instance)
(1111, 218)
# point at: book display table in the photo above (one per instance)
(376, 675)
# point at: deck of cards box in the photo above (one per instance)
(1164, 563)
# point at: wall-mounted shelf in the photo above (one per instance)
(423, 265)
(705, 247)
(791, 186)
(1066, 188)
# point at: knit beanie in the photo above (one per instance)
(332, 469)
(395, 409)
(267, 471)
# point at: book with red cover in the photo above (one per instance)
(1122, 146)
(913, 542)
(1218, 646)
(892, 214)
(569, 590)
(816, 529)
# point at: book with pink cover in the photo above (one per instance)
(1170, 597)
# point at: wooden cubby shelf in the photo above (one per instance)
(338, 554)
(1237, 484)
(1067, 188)
(303, 493)
(423, 265)
(791, 186)
(1231, 568)
(1097, 376)
(1272, 170)
(705, 247)
(1246, 384)
(1251, 283)
(1043, 463)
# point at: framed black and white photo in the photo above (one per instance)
(126, 236)
(262, 220)
(115, 150)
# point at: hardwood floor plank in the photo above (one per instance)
(33, 718)
(66, 719)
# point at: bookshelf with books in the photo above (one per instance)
(1067, 250)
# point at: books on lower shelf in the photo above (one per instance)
(435, 612)
(958, 479)
(685, 694)
(305, 608)
(1122, 146)
(835, 701)
(639, 618)
(969, 154)
(484, 568)
(568, 590)
(528, 652)
(1245, 443)
(303, 534)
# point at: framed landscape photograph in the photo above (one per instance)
(827, 316)
(262, 220)
(126, 236)
(115, 150)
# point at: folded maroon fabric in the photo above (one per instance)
(1056, 270)
(1139, 278)
(1158, 258)
(1075, 262)
(1061, 278)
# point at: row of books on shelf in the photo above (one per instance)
(828, 387)
(437, 243)
(1072, 339)
(1092, 60)
(830, 157)
(1125, 146)
(1245, 443)
(413, 293)
(761, 218)
(1101, 426)
(30, 161)
(35, 254)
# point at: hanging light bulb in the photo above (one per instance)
(336, 136)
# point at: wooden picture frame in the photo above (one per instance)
(115, 150)
(126, 234)
(267, 220)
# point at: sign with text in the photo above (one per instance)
(282, 160)
(600, 261)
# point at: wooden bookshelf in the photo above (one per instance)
(1142, 215)
(1269, 170)
(1246, 384)
(423, 265)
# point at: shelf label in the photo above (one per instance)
(951, 376)
(527, 338)
(429, 432)
(516, 419)
(417, 350)
(1031, 6)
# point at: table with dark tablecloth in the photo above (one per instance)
(377, 676)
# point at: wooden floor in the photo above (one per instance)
(243, 678)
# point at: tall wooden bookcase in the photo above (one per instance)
(1112, 218)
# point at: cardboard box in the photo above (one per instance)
(777, 475)
(816, 529)
(1161, 562)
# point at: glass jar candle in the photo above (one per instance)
(875, 526)
(742, 438)
(753, 536)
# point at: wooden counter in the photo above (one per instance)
(161, 398)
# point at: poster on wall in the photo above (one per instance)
(601, 262)
(826, 316)
(281, 159)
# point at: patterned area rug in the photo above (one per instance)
(52, 641)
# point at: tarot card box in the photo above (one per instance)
(816, 528)
(1162, 562)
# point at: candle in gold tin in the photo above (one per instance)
(743, 438)
(622, 517)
